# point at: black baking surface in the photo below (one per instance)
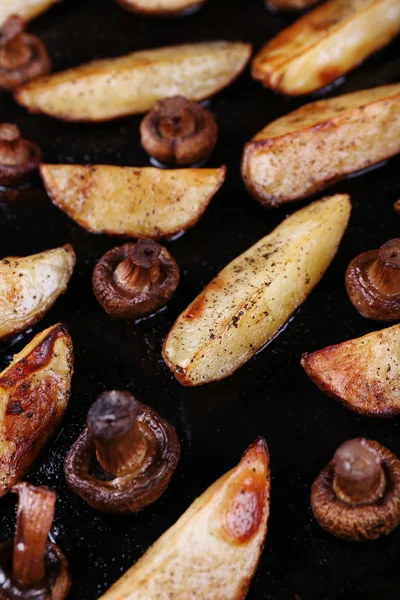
(271, 395)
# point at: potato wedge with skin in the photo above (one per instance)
(325, 44)
(320, 143)
(34, 391)
(111, 88)
(246, 305)
(30, 285)
(27, 9)
(161, 7)
(363, 374)
(212, 551)
(130, 201)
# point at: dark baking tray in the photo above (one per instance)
(271, 395)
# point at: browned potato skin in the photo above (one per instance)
(363, 373)
(148, 196)
(188, 6)
(34, 392)
(321, 143)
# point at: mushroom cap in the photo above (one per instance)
(124, 303)
(178, 132)
(134, 491)
(39, 62)
(370, 301)
(19, 158)
(359, 522)
(55, 587)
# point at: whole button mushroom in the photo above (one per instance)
(397, 206)
(179, 133)
(31, 567)
(22, 55)
(124, 459)
(135, 280)
(357, 496)
(19, 158)
(373, 282)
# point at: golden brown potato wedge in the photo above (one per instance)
(30, 285)
(27, 9)
(129, 201)
(212, 551)
(291, 4)
(325, 44)
(110, 88)
(320, 143)
(363, 374)
(34, 391)
(245, 306)
(161, 7)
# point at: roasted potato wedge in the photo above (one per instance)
(161, 7)
(129, 201)
(30, 285)
(212, 551)
(110, 88)
(325, 44)
(34, 391)
(27, 9)
(290, 4)
(320, 143)
(251, 299)
(363, 374)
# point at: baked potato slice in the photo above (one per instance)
(130, 201)
(161, 7)
(110, 88)
(363, 374)
(27, 9)
(325, 44)
(212, 551)
(29, 286)
(34, 391)
(246, 305)
(320, 143)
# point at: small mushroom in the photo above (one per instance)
(19, 158)
(397, 206)
(124, 459)
(31, 567)
(373, 282)
(135, 280)
(357, 496)
(22, 55)
(178, 132)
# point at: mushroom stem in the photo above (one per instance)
(14, 52)
(34, 519)
(175, 118)
(140, 268)
(384, 272)
(120, 444)
(359, 477)
(12, 147)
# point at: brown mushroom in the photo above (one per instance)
(357, 496)
(397, 206)
(178, 132)
(124, 459)
(31, 567)
(135, 280)
(22, 55)
(373, 282)
(19, 158)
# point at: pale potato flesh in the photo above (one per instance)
(322, 142)
(27, 9)
(30, 285)
(34, 391)
(212, 551)
(160, 7)
(252, 298)
(130, 201)
(363, 374)
(325, 44)
(110, 88)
